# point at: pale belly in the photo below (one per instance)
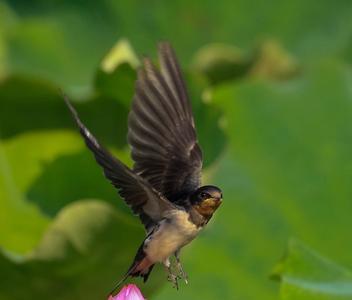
(170, 237)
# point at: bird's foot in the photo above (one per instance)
(173, 279)
(170, 275)
(181, 273)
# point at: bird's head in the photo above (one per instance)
(206, 200)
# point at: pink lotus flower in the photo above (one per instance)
(128, 292)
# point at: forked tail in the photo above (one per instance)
(141, 266)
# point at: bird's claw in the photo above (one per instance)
(181, 273)
(173, 279)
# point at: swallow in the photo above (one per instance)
(163, 188)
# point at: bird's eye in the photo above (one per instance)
(204, 195)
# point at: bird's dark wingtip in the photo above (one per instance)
(74, 114)
(69, 105)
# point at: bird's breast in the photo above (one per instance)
(174, 232)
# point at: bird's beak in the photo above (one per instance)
(212, 202)
(216, 202)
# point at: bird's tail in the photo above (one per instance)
(141, 266)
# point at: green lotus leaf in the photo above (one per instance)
(32, 104)
(64, 42)
(285, 170)
(306, 275)
(84, 252)
(22, 160)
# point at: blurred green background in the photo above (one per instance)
(271, 88)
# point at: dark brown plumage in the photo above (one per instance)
(163, 187)
(137, 192)
(161, 129)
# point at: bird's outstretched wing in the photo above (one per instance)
(144, 200)
(161, 131)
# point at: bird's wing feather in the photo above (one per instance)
(161, 132)
(143, 199)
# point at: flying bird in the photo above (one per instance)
(163, 187)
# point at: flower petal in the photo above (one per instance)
(128, 292)
(133, 293)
